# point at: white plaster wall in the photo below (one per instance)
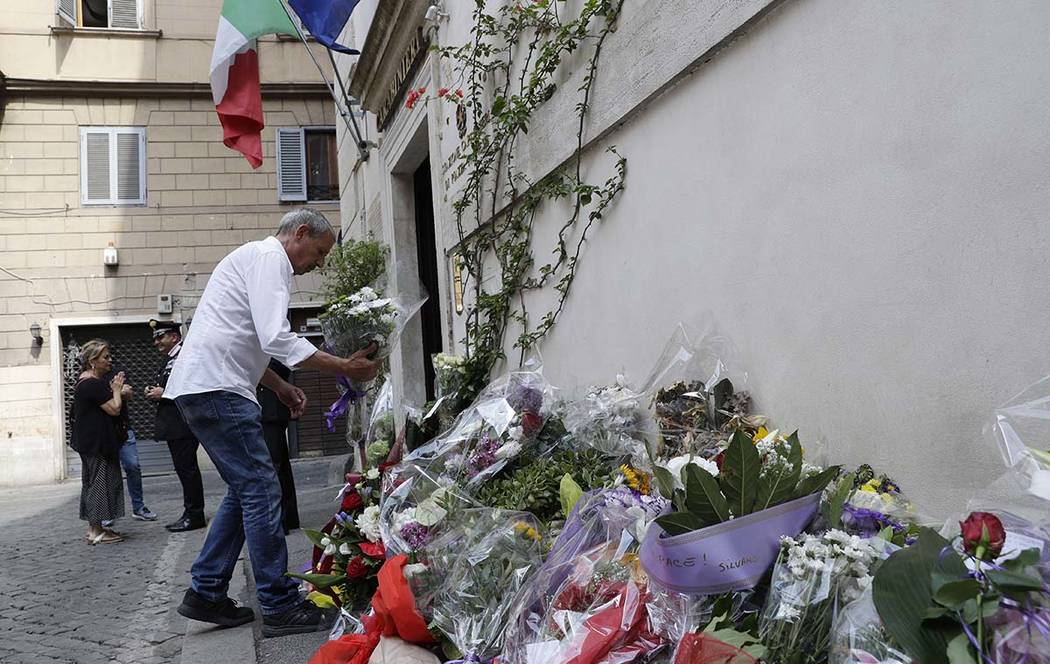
(858, 192)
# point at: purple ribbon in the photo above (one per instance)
(471, 658)
(732, 555)
(338, 409)
(1028, 614)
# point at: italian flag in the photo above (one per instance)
(235, 71)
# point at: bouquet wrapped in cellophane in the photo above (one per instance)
(696, 399)
(590, 601)
(471, 577)
(613, 420)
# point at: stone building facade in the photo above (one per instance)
(109, 138)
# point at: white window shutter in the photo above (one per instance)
(67, 11)
(130, 166)
(291, 164)
(95, 167)
(124, 14)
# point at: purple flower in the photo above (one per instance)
(525, 398)
(415, 534)
(868, 523)
(342, 520)
(484, 455)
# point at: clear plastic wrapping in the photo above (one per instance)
(371, 315)
(613, 420)
(813, 576)
(590, 601)
(502, 423)
(478, 569)
(1021, 429)
(696, 396)
(858, 636)
(381, 433)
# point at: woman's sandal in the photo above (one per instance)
(105, 537)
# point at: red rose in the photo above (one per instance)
(530, 423)
(356, 568)
(983, 535)
(352, 501)
(353, 479)
(459, 93)
(373, 550)
(720, 459)
(442, 92)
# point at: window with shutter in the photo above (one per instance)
(67, 11)
(291, 165)
(113, 165)
(124, 14)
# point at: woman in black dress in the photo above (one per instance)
(97, 437)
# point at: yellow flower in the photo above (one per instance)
(760, 434)
(871, 486)
(527, 531)
(636, 479)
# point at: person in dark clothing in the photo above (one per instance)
(275, 418)
(97, 437)
(170, 427)
(129, 453)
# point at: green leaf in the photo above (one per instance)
(1024, 559)
(903, 595)
(777, 485)
(315, 537)
(569, 492)
(739, 476)
(703, 497)
(498, 105)
(679, 523)
(817, 483)
(1006, 580)
(833, 506)
(936, 612)
(955, 593)
(959, 651)
(664, 481)
(320, 580)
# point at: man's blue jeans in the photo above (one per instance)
(230, 429)
(129, 459)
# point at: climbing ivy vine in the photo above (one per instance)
(509, 70)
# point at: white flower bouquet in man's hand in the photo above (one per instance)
(355, 321)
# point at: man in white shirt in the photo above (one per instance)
(239, 324)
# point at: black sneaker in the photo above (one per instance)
(301, 619)
(225, 613)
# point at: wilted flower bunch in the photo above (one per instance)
(847, 558)
(353, 322)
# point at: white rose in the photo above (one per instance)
(414, 569)
(344, 549)
(368, 523)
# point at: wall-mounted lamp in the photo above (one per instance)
(109, 256)
(34, 331)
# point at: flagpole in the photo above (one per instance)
(346, 98)
(331, 88)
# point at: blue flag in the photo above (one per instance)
(325, 19)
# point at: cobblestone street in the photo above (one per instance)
(65, 601)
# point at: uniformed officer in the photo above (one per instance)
(169, 426)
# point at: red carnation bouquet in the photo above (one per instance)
(348, 550)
